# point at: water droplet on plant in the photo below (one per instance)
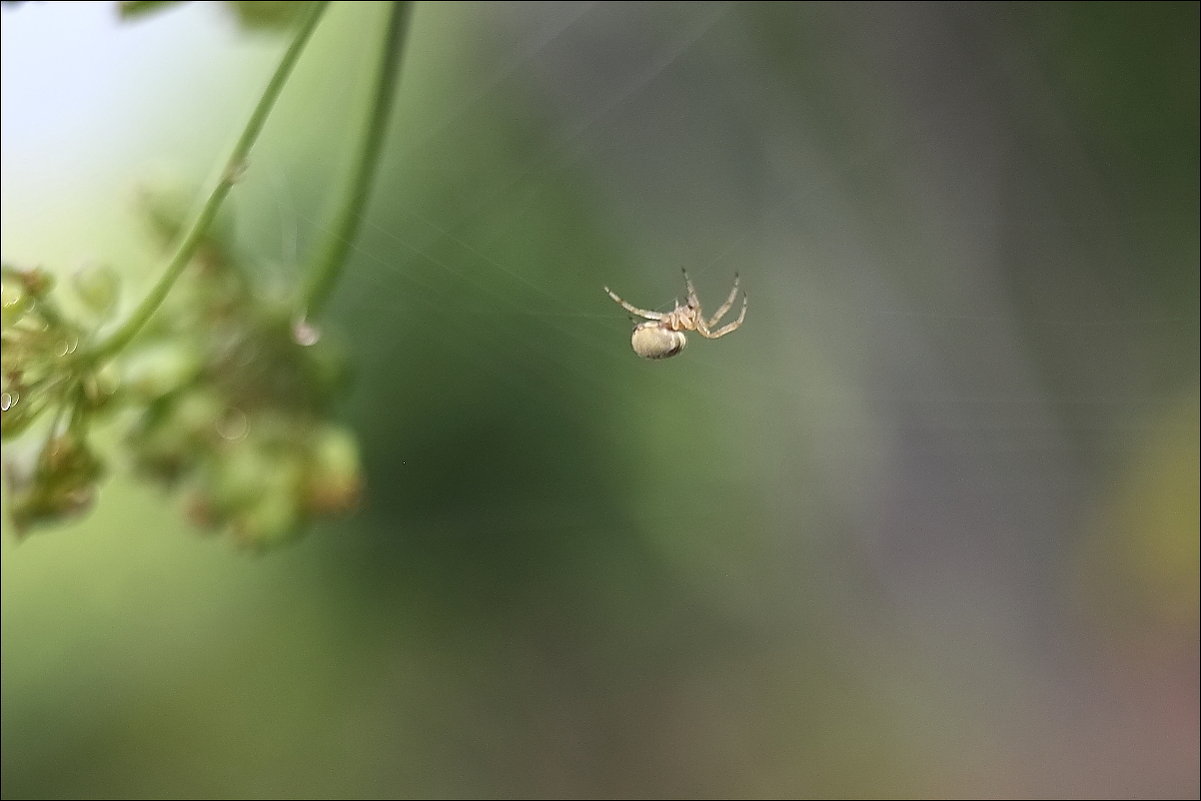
(305, 333)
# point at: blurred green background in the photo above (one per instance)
(926, 525)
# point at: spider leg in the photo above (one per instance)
(725, 307)
(650, 315)
(693, 300)
(727, 328)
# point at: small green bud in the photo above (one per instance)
(36, 504)
(239, 476)
(61, 485)
(196, 414)
(98, 286)
(160, 369)
(68, 458)
(334, 482)
(271, 519)
(101, 385)
(175, 433)
(253, 489)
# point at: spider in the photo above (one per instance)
(662, 335)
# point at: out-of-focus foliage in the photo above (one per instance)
(251, 14)
(133, 9)
(266, 14)
(925, 525)
(237, 402)
(229, 397)
(229, 385)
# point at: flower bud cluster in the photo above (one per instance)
(229, 399)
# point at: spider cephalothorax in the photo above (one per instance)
(662, 335)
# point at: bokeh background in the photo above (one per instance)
(926, 525)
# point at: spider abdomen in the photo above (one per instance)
(653, 340)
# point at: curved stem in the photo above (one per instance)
(229, 176)
(326, 266)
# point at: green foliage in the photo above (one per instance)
(228, 398)
(251, 14)
(226, 389)
(134, 9)
(266, 14)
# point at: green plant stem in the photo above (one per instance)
(325, 268)
(229, 176)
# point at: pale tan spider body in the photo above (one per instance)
(652, 341)
(662, 335)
